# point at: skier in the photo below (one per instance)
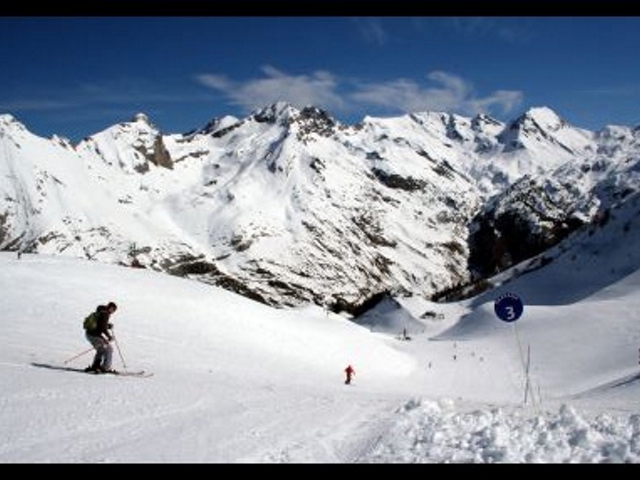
(97, 332)
(349, 371)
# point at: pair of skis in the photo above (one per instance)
(125, 373)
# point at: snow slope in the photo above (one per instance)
(232, 377)
(237, 381)
(580, 318)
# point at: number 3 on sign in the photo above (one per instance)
(511, 313)
(508, 307)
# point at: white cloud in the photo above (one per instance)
(455, 94)
(449, 93)
(319, 89)
(508, 100)
(217, 82)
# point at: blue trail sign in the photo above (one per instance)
(508, 307)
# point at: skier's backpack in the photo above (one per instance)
(91, 322)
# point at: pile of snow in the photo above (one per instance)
(438, 432)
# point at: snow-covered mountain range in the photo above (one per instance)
(290, 206)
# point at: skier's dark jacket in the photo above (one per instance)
(102, 325)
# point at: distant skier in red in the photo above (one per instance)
(350, 372)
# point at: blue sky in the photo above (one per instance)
(77, 76)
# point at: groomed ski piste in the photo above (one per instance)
(238, 381)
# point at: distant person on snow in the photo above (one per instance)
(350, 372)
(97, 332)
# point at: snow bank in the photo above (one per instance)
(428, 431)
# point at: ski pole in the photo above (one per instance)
(79, 355)
(124, 364)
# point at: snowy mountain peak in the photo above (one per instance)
(143, 121)
(9, 122)
(481, 121)
(6, 118)
(310, 119)
(133, 146)
(141, 118)
(279, 112)
(216, 125)
(62, 141)
(139, 125)
(315, 120)
(616, 132)
(545, 117)
(541, 127)
(311, 111)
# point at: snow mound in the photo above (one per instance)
(438, 432)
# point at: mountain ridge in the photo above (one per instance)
(289, 206)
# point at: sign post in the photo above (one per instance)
(509, 308)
